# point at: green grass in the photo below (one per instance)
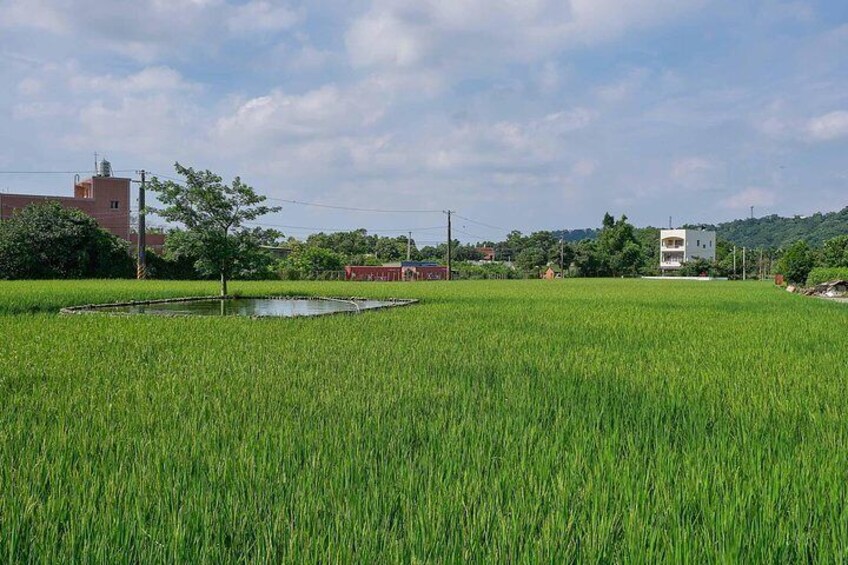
(510, 421)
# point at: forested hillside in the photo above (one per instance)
(777, 232)
(770, 232)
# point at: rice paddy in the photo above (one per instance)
(577, 420)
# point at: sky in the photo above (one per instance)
(517, 114)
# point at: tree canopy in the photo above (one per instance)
(47, 241)
(214, 216)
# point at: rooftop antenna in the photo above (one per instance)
(670, 226)
(95, 162)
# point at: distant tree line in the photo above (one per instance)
(48, 241)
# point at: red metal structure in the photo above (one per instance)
(399, 273)
(367, 273)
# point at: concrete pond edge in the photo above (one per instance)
(98, 308)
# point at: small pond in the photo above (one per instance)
(265, 307)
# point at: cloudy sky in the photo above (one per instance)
(525, 114)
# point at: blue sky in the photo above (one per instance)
(530, 114)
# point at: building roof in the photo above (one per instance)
(419, 264)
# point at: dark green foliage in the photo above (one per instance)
(777, 232)
(169, 267)
(214, 215)
(615, 252)
(701, 268)
(573, 236)
(796, 263)
(356, 245)
(248, 261)
(308, 262)
(47, 241)
(531, 259)
(649, 242)
(834, 253)
(824, 274)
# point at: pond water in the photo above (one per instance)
(258, 307)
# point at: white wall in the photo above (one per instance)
(700, 244)
(697, 244)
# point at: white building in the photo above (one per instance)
(680, 246)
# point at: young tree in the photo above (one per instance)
(213, 214)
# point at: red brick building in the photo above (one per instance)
(487, 252)
(103, 197)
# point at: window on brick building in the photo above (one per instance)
(113, 204)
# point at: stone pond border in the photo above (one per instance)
(97, 308)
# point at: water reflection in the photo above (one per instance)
(265, 307)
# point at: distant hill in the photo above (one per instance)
(576, 235)
(774, 231)
(769, 231)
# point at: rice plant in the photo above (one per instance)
(552, 421)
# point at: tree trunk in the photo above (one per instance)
(223, 284)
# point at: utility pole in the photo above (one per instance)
(734, 261)
(744, 266)
(752, 212)
(561, 257)
(141, 267)
(449, 243)
(409, 247)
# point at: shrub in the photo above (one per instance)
(47, 241)
(796, 263)
(823, 274)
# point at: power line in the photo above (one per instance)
(479, 237)
(61, 172)
(343, 230)
(330, 206)
(499, 228)
(354, 208)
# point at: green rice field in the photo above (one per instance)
(495, 421)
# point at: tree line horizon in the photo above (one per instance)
(216, 240)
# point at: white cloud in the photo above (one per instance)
(261, 15)
(327, 110)
(584, 168)
(452, 102)
(685, 169)
(149, 30)
(383, 39)
(32, 14)
(148, 79)
(624, 88)
(828, 127)
(402, 33)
